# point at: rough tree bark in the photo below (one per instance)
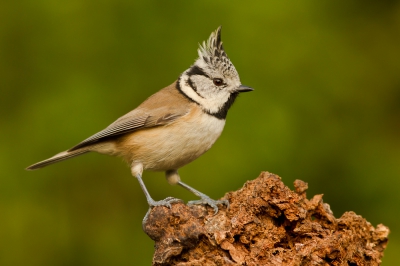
(266, 224)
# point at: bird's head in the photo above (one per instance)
(212, 81)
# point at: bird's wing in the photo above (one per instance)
(162, 108)
(133, 121)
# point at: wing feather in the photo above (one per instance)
(126, 125)
(157, 110)
(113, 130)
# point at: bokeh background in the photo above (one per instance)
(325, 109)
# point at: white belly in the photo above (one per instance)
(172, 146)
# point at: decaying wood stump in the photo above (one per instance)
(266, 224)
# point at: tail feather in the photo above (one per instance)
(57, 158)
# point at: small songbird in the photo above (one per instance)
(174, 126)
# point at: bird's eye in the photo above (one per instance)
(218, 82)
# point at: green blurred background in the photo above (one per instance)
(326, 109)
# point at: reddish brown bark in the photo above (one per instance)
(266, 224)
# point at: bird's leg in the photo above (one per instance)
(204, 198)
(137, 170)
(173, 178)
(152, 203)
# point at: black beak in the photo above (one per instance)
(243, 88)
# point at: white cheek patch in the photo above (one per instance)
(202, 85)
(209, 100)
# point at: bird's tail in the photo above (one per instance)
(57, 158)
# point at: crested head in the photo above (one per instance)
(212, 55)
(212, 81)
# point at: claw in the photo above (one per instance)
(152, 203)
(165, 202)
(204, 199)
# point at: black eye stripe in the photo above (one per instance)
(190, 84)
(195, 70)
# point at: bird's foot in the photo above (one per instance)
(152, 203)
(165, 202)
(205, 200)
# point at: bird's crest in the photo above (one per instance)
(213, 46)
(212, 53)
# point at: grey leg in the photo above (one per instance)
(152, 203)
(204, 198)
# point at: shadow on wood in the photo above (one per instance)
(266, 224)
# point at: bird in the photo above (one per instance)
(174, 126)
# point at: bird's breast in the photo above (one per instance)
(174, 145)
